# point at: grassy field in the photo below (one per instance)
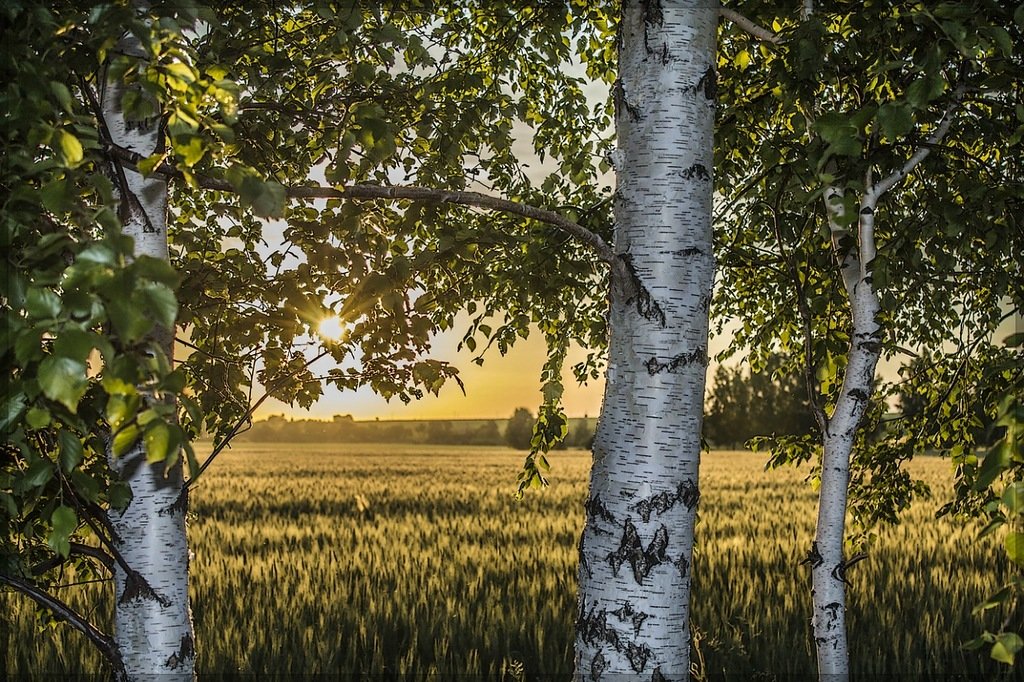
(411, 563)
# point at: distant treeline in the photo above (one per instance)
(345, 429)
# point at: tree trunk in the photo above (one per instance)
(153, 622)
(636, 547)
(828, 564)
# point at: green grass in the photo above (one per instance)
(412, 563)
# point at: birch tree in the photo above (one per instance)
(152, 619)
(851, 152)
(636, 549)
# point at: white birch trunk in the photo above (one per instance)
(828, 565)
(636, 548)
(153, 621)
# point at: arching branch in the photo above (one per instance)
(403, 192)
(754, 29)
(62, 611)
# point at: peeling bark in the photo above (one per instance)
(634, 581)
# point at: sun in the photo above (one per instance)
(331, 328)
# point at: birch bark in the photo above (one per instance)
(636, 547)
(854, 256)
(153, 622)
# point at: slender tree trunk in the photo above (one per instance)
(153, 622)
(828, 564)
(636, 547)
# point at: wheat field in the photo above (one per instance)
(416, 563)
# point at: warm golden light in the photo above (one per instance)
(331, 328)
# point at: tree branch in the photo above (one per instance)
(62, 611)
(878, 189)
(756, 30)
(408, 192)
(77, 549)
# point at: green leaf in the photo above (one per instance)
(13, 408)
(266, 199)
(1014, 544)
(1006, 647)
(1014, 340)
(160, 302)
(38, 473)
(742, 60)
(120, 495)
(125, 439)
(100, 254)
(1013, 497)
(42, 303)
(995, 463)
(120, 408)
(894, 120)
(128, 320)
(64, 522)
(38, 417)
(924, 90)
(157, 270)
(68, 147)
(63, 380)
(190, 457)
(73, 343)
(63, 96)
(834, 127)
(71, 450)
(161, 441)
(87, 486)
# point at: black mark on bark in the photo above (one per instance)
(696, 171)
(689, 252)
(839, 573)
(867, 210)
(584, 562)
(646, 306)
(136, 587)
(683, 565)
(597, 509)
(870, 346)
(637, 655)
(598, 666)
(622, 102)
(858, 394)
(689, 493)
(814, 557)
(708, 84)
(697, 355)
(631, 551)
(186, 652)
(626, 613)
(653, 18)
(686, 492)
(656, 676)
(653, 14)
(593, 629)
(180, 505)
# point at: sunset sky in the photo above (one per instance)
(495, 389)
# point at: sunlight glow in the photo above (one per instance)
(331, 328)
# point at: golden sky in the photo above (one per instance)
(494, 389)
